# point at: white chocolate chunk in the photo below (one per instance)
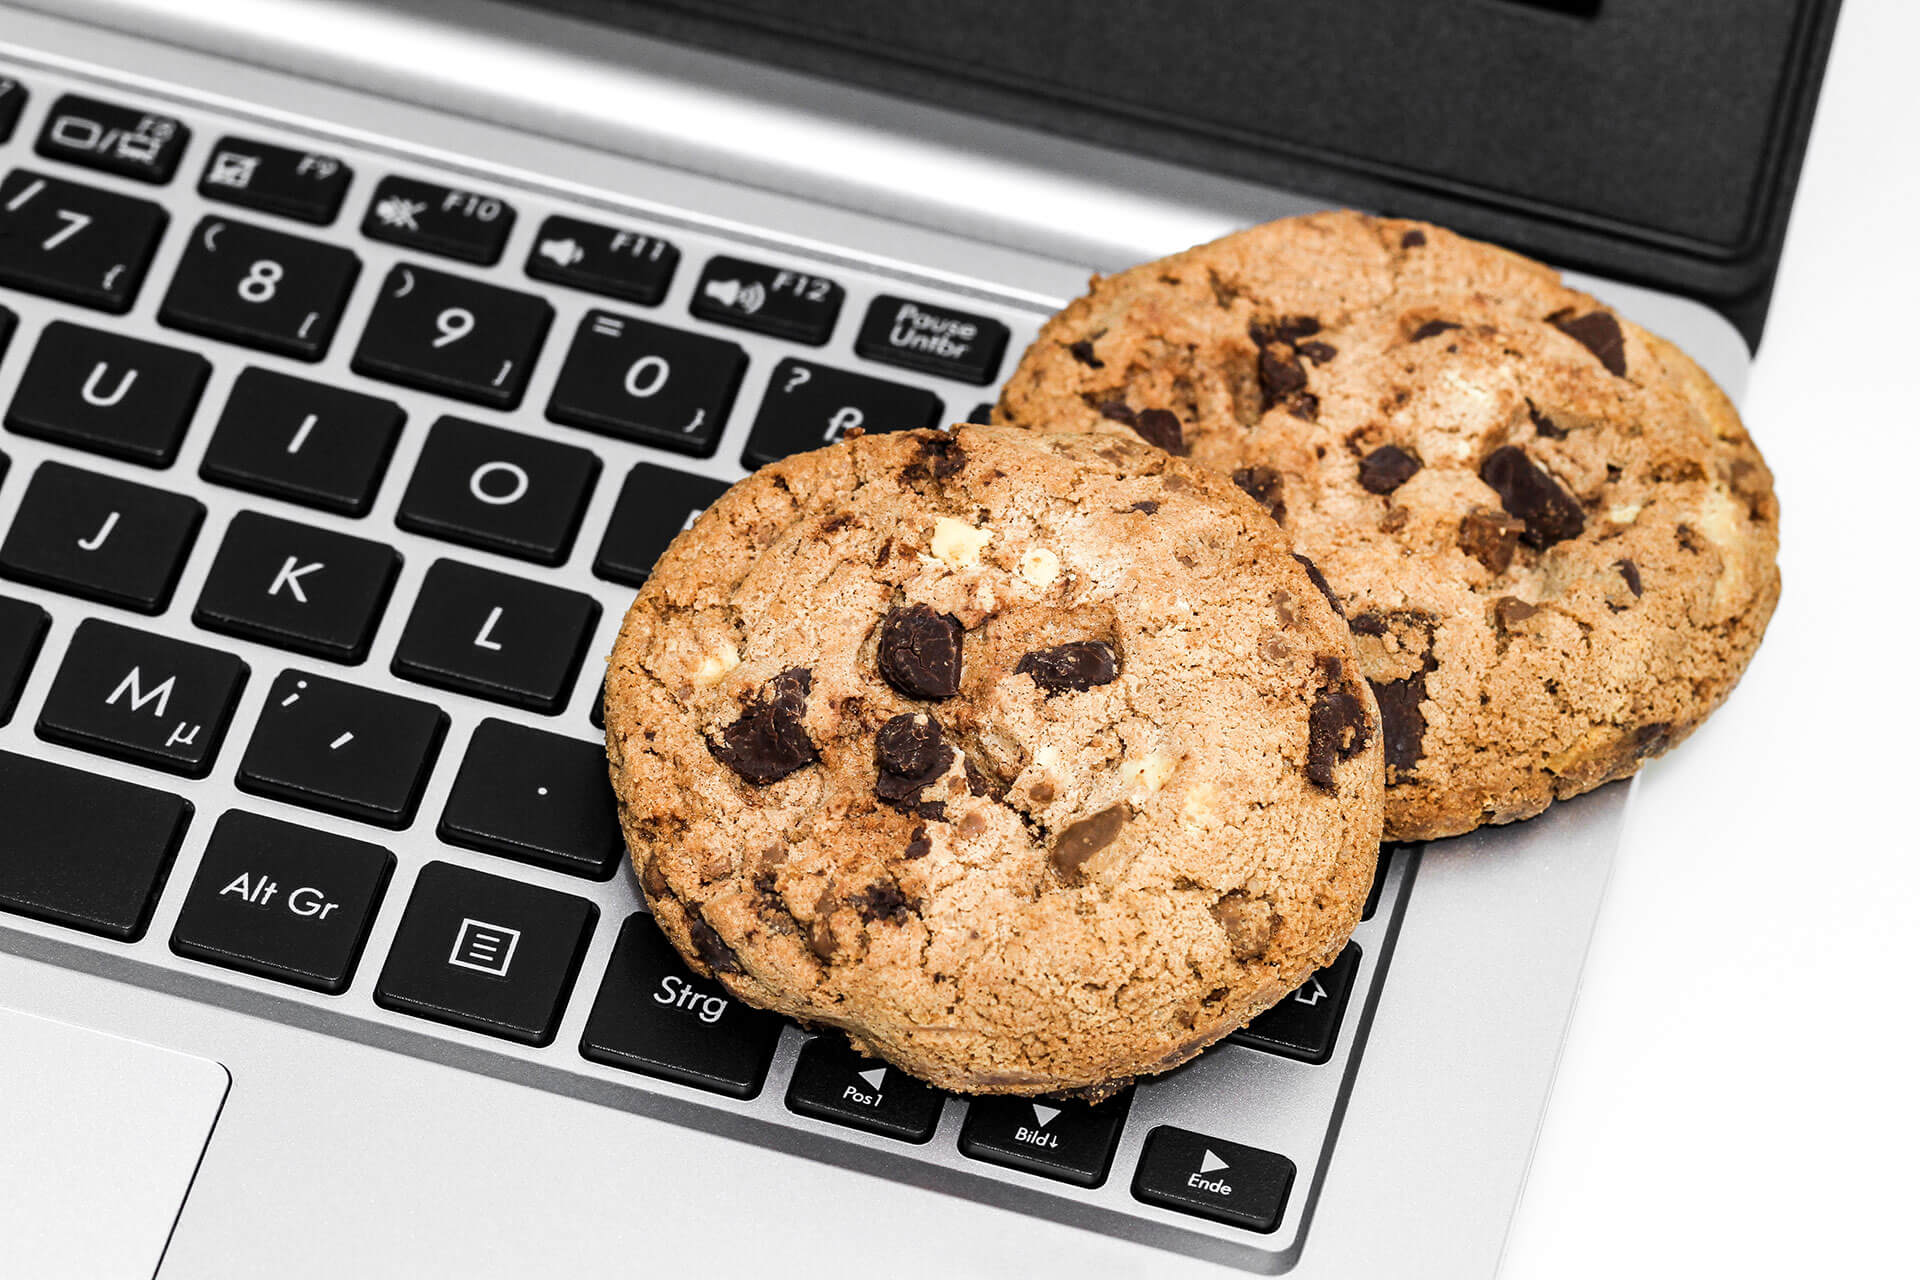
(958, 544)
(716, 663)
(1040, 567)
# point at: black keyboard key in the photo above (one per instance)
(77, 244)
(260, 288)
(436, 219)
(23, 626)
(937, 340)
(1305, 1024)
(832, 1082)
(108, 394)
(113, 139)
(656, 505)
(100, 538)
(768, 299)
(487, 954)
(305, 185)
(535, 796)
(655, 1017)
(8, 321)
(141, 697)
(499, 490)
(13, 97)
(304, 442)
(606, 260)
(1211, 1178)
(82, 850)
(646, 382)
(282, 901)
(1387, 853)
(1070, 1141)
(494, 636)
(453, 336)
(981, 414)
(810, 406)
(597, 712)
(343, 749)
(310, 590)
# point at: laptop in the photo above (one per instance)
(356, 360)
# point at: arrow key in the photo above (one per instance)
(1211, 1178)
(1305, 1024)
(1070, 1141)
(832, 1082)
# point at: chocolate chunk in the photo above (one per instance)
(1652, 739)
(653, 880)
(1158, 427)
(1248, 923)
(919, 845)
(1145, 508)
(1305, 406)
(883, 901)
(1116, 411)
(909, 755)
(1087, 837)
(1550, 512)
(1490, 537)
(1083, 352)
(1319, 580)
(1413, 239)
(768, 742)
(1689, 540)
(1431, 329)
(1545, 425)
(943, 454)
(920, 652)
(1368, 624)
(1281, 376)
(718, 955)
(1285, 329)
(1401, 724)
(979, 783)
(1509, 610)
(1336, 731)
(1599, 333)
(1318, 352)
(1631, 572)
(1387, 468)
(1079, 665)
(1263, 485)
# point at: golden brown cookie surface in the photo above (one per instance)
(1553, 538)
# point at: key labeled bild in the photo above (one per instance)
(639, 381)
(142, 697)
(76, 243)
(1068, 1141)
(809, 406)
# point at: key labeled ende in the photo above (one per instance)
(611, 261)
(536, 797)
(436, 219)
(503, 491)
(148, 699)
(638, 381)
(260, 288)
(496, 636)
(297, 587)
(937, 340)
(1212, 1178)
(303, 442)
(75, 243)
(457, 337)
(100, 538)
(342, 749)
(108, 394)
(780, 301)
(808, 406)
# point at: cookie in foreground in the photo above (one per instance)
(1552, 537)
(1034, 762)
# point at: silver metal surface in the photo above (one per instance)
(1433, 1144)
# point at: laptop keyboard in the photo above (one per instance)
(327, 474)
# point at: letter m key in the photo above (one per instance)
(139, 698)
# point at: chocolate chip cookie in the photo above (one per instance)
(1035, 762)
(1546, 526)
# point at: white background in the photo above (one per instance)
(1739, 1095)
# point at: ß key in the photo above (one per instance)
(144, 698)
(605, 260)
(113, 139)
(454, 336)
(260, 288)
(74, 243)
(108, 394)
(495, 636)
(100, 538)
(832, 1082)
(310, 590)
(342, 749)
(303, 441)
(536, 796)
(656, 505)
(499, 490)
(435, 219)
(810, 405)
(82, 850)
(258, 175)
(768, 299)
(1303, 1025)
(639, 381)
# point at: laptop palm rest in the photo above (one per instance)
(99, 1141)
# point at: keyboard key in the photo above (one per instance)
(77, 244)
(1211, 1178)
(981, 414)
(646, 382)
(535, 796)
(260, 288)
(303, 441)
(487, 954)
(768, 299)
(282, 901)
(499, 490)
(305, 185)
(113, 139)
(1304, 1025)
(1387, 853)
(342, 749)
(310, 590)
(656, 504)
(597, 712)
(82, 850)
(937, 340)
(108, 394)
(1070, 1141)
(436, 219)
(100, 538)
(144, 698)
(23, 627)
(604, 260)
(457, 337)
(655, 1017)
(13, 96)
(810, 406)
(832, 1082)
(495, 636)
(8, 321)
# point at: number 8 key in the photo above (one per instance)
(455, 336)
(260, 288)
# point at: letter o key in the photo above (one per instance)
(516, 479)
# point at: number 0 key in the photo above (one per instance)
(454, 336)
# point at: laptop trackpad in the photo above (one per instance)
(99, 1140)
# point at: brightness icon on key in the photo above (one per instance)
(487, 948)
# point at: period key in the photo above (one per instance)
(1213, 1178)
(937, 340)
